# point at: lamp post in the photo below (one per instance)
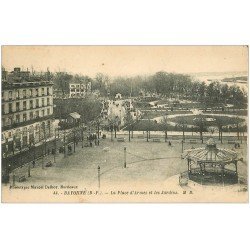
(125, 157)
(55, 147)
(74, 131)
(45, 145)
(99, 176)
(82, 133)
(121, 116)
(30, 149)
(64, 142)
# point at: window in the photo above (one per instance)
(17, 118)
(31, 115)
(43, 113)
(10, 107)
(17, 94)
(2, 94)
(3, 112)
(48, 112)
(37, 103)
(24, 105)
(47, 91)
(10, 95)
(10, 120)
(17, 106)
(43, 102)
(3, 121)
(24, 117)
(42, 91)
(24, 93)
(31, 104)
(37, 92)
(30, 92)
(37, 114)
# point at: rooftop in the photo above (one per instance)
(211, 154)
(75, 115)
(25, 84)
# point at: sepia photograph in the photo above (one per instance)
(144, 124)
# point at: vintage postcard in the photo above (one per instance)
(124, 124)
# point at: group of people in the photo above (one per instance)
(93, 138)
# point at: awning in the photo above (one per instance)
(75, 115)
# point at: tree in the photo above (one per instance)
(183, 125)
(237, 127)
(61, 81)
(102, 83)
(164, 123)
(129, 123)
(111, 127)
(219, 124)
(88, 108)
(200, 122)
(225, 93)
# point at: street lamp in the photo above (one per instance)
(99, 176)
(82, 127)
(55, 144)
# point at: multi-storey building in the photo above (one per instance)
(79, 89)
(27, 114)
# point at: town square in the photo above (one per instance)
(165, 131)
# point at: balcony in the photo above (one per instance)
(16, 124)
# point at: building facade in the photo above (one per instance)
(78, 90)
(27, 115)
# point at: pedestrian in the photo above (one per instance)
(169, 143)
(33, 163)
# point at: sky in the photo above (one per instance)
(126, 60)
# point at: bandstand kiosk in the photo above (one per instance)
(212, 165)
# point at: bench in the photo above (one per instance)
(193, 141)
(22, 178)
(48, 164)
(120, 139)
(174, 137)
(140, 137)
(156, 140)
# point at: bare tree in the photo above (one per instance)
(183, 125)
(164, 123)
(129, 122)
(200, 122)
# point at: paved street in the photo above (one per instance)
(146, 162)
